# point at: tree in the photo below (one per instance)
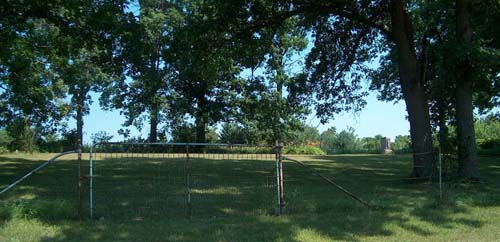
(5, 141)
(276, 101)
(232, 134)
(186, 133)
(56, 143)
(344, 142)
(82, 76)
(352, 28)
(101, 137)
(205, 73)
(27, 137)
(410, 74)
(372, 144)
(467, 151)
(345, 33)
(488, 132)
(327, 139)
(54, 49)
(347, 141)
(146, 40)
(305, 135)
(402, 144)
(183, 133)
(31, 92)
(125, 133)
(441, 52)
(90, 51)
(242, 133)
(475, 74)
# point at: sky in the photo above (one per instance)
(385, 118)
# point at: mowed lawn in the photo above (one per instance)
(139, 199)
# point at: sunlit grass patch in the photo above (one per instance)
(218, 191)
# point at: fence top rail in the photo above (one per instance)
(184, 144)
(39, 167)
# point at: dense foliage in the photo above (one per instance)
(251, 71)
(488, 134)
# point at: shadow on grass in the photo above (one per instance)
(48, 195)
(232, 201)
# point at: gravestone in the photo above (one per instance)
(385, 145)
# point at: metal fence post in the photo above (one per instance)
(440, 174)
(280, 159)
(279, 176)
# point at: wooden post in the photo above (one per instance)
(80, 178)
(188, 189)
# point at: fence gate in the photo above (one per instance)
(171, 180)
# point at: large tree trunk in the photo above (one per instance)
(413, 92)
(466, 138)
(28, 138)
(445, 146)
(279, 129)
(467, 150)
(201, 120)
(153, 124)
(443, 134)
(79, 120)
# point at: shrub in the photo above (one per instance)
(5, 140)
(488, 147)
(3, 150)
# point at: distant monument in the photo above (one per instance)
(385, 145)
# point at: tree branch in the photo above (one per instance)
(342, 9)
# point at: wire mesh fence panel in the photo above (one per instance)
(314, 185)
(304, 192)
(138, 185)
(47, 194)
(344, 183)
(141, 181)
(232, 186)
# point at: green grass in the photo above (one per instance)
(141, 199)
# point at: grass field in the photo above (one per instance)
(234, 200)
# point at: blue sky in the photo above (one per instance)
(387, 119)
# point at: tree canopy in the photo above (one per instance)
(252, 71)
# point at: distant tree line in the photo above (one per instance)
(304, 140)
